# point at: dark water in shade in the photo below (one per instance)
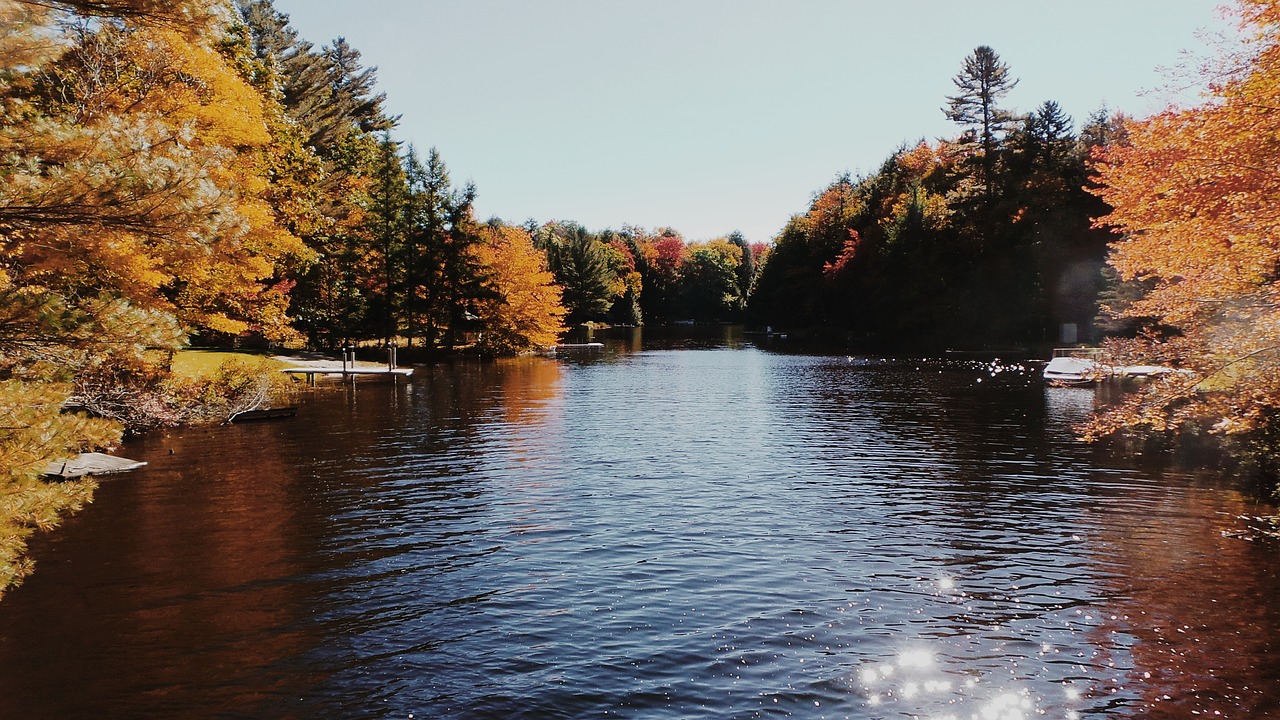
(705, 531)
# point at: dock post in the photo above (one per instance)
(391, 356)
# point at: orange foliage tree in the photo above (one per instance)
(522, 309)
(134, 167)
(1194, 194)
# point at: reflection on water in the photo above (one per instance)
(669, 528)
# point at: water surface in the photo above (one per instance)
(660, 530)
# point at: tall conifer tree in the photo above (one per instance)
(983, 80)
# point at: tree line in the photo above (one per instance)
(986, 239)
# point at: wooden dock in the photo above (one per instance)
(311, 371)
(90, 464)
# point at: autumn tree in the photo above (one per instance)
(133, 209)
(1193, 191)
(167, 12)
(659, 257)
(791, 289)
(330, 141)
(521, 309)
(625, 262)
(148, 183)
(911, 256)
(746, 274)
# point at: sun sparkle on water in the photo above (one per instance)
(916, 680)
(915, 659)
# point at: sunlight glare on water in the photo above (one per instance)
(916, 684)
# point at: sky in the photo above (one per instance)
(711, 116)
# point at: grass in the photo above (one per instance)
(194, 363)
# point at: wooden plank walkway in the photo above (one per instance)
(311, 371)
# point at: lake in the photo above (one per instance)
(666, 528)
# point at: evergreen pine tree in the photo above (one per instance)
(982, 81)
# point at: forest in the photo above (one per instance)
(186, 172)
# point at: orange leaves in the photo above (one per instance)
(1194, 193)
(523, 311)
(920, 160)
(847, 255)
(136, 165)
(832, 207)
(19, 46)
(186, 82)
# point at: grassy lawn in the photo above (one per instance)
(192, 363)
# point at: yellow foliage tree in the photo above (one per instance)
(133, 206)
(33, 432)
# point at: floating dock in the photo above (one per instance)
(90, 464)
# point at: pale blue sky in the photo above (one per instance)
(715, 115)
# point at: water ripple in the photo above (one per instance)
(712, 533)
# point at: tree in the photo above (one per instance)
(982, 81)
(329, 174)
(1046, 140)
(624, 261)
(709, 279)
(388, 227)
(746, 270)
(328, 91)
(1193, 192)
(143, 181)
(522, 309)
(581, 265)
(190, 17)
(1048, 230)
(35, 432)
(658, 260)
(791, 290)
(134, 207)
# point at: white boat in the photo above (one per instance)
(1082, 366)
(1072, 370)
